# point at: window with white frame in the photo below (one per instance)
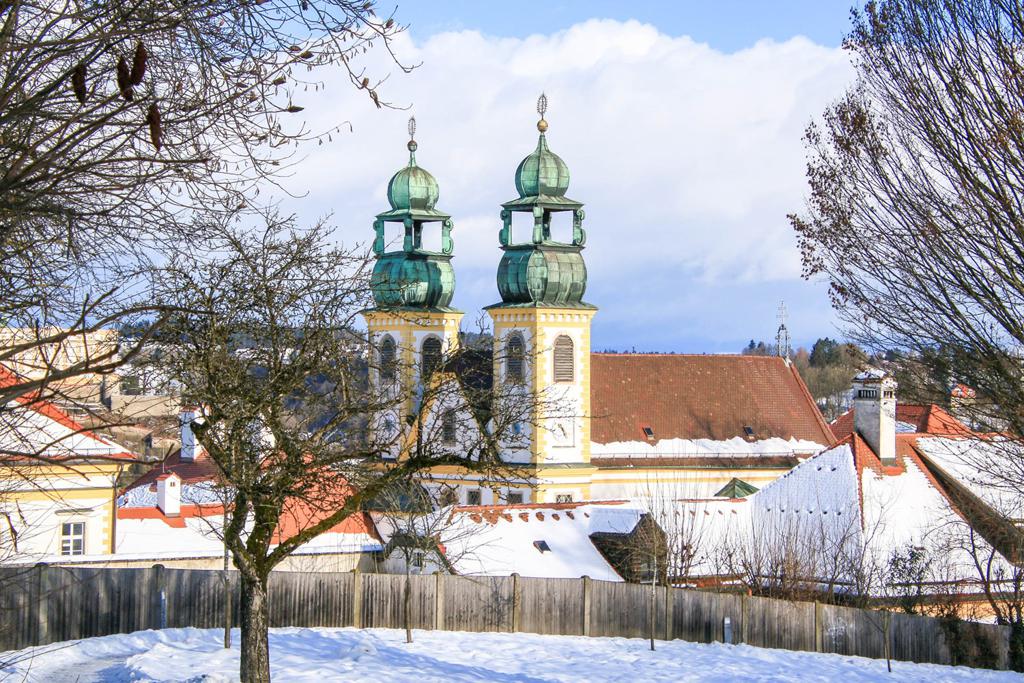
(72, 538)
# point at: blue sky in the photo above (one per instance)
(726, 24)
(681, 124)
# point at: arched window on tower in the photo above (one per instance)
(387, 359)
(514, 352)
(449, 426)
(430, 356)
(564, 364)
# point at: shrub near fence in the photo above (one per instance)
(40, 605)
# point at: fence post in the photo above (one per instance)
(357, 598)
(438, 601)
(818, 645)
(160, 595)
(516, 602)
(745, 618)
(41, 604)
(669, 604)
(586, 605)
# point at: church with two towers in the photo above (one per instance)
(612, 425)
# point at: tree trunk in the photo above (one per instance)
(227, 597)
(1016, 655)
(255, 647)
(407, 605)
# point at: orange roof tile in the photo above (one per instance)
(700, 397)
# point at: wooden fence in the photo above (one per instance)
(42, 604)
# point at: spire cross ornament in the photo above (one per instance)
(542, 108)
(412, 141)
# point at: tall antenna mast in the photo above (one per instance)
(782, 342)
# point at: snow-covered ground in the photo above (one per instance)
(299, 654)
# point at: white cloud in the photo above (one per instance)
(687, 158)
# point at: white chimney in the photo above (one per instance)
(168, 494)
(874, 412)
(189, 447)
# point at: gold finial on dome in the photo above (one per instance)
(542, 108)
(412, 134)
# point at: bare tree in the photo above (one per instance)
(423, 535)
(286, 408)
(915, 214)
(119, 123)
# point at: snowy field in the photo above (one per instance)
(309, 655)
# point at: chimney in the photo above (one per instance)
(874, 412)
(168, 494)
(189, 448)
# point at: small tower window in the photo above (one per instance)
(867, 393)
(387, 359)
(564, 364)
(514, 351)
(448, 424)
(431, 356)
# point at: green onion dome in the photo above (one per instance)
(412, 280)
(542, 274)
(542, 173)
(412, 187)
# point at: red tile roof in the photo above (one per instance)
(190, 471)
(700, 397)
(927, 419)
(51, 411)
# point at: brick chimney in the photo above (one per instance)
(168, 494)
(189, 447)
(874, 412)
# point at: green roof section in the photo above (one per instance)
(542, 173)
(736, 488)
(412, 278)
(542, 271)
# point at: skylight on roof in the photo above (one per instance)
(748, 430)
(648, 431)
(542, 546)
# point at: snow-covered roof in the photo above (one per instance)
(39, 428)
(870, 374)
(735, 447)
(500, 540)
(980, 463)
